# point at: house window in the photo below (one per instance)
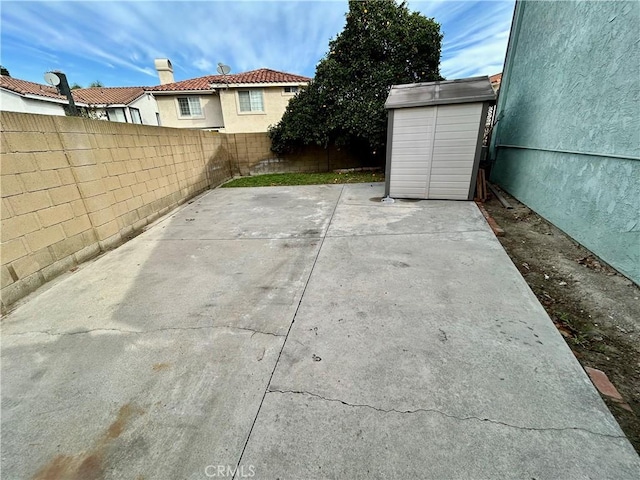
(116, 115)
(189, 106)
(290, 89)
(251, 101)
(135, 115)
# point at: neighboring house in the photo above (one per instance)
(27, 97)
(567, 141)
(117, 104)
(495, 81)
(120, 104)
(236, 103)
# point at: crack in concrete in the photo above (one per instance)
(444, 414)
(141, 332)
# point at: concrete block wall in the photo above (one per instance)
(253, 156)
(73, 187)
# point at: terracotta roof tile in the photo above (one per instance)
(107, 95)
(90, 96)
(262, 75)
(497, 78)
(24, 87)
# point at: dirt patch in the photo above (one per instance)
(596, 309)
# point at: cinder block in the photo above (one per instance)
(116, 168)
(43, 238)
(29, 202)
(87, 173)
(26, 141)
(53, 215)
(133, 165)
(107, 230)
(19, 226)
(89, 237)
(12, 250)
(67, 247)
(11, 185)
(75, 141)
(18, 163)
(102, 216)
(51, 160)
(87, 252)
(78, 158)
(34, 181)
(102, 155)
(64, 194)
(112, 183)
(58, 267)
(78, 208)
(53, 142)
(127, 179)
(91, 189)
(134, 203)
(66, 176)
(122, 194)
(25, 266)
(136, 153)
(5, 277)
(98, 202)
(120, 209)
(120, 154)
(76, 225)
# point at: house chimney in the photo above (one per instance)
(165, 70)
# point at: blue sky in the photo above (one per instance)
(116, 42)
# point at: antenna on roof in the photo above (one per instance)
(224, 71)
(59, 80)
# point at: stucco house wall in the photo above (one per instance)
(275, 102)
(148, 109)
(12, 102)
(566, 143)
(169, 112)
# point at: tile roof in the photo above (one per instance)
(90, 96)
(107, 95)
(497, 78)
(24, 87)
(262, 75)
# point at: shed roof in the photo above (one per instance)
(465, 90)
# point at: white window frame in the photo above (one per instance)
(290, 93)
(191, 100)
(251, 112)
(133, 110)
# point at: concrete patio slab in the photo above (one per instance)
(300, 332)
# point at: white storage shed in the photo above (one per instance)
(434, 138)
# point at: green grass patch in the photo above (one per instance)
(278, 179)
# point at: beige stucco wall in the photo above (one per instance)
(275, 103)
(72, 187)
(210, 104)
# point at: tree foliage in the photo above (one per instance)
(382, 44)
(4, 71)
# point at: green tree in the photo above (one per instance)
(75, 86)
(4, 71)
(382, 44)
(96, 84)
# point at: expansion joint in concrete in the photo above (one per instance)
(444, 414)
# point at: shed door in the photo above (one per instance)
(454, 150)
(411, 149)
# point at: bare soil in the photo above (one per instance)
(595, 308)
